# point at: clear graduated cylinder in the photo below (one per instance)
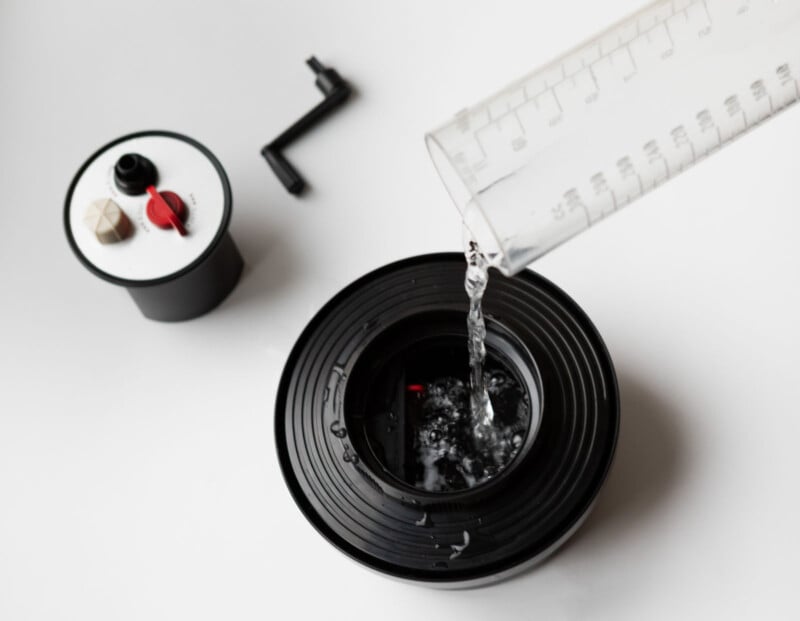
(573, 142)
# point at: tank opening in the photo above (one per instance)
(407, 406)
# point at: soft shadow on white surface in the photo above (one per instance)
(269, 266)
(647, 466)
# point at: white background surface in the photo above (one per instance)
(138, 477)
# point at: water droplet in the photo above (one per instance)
(372, 482)
(369, 325)
(459, 548)
(326, 395)
(337, 429)
(349, 456)
(425, 521)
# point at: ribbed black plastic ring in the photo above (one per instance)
(510, 523)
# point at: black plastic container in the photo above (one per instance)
(189, 275)
(413, 313)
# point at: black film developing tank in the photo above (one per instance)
(171, 277)
(509, 523)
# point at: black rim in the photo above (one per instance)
(223, 227)
(380, 528)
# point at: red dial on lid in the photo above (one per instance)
(166, 209)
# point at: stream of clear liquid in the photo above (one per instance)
(466, 439)
(465, 425)
(475, 282)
